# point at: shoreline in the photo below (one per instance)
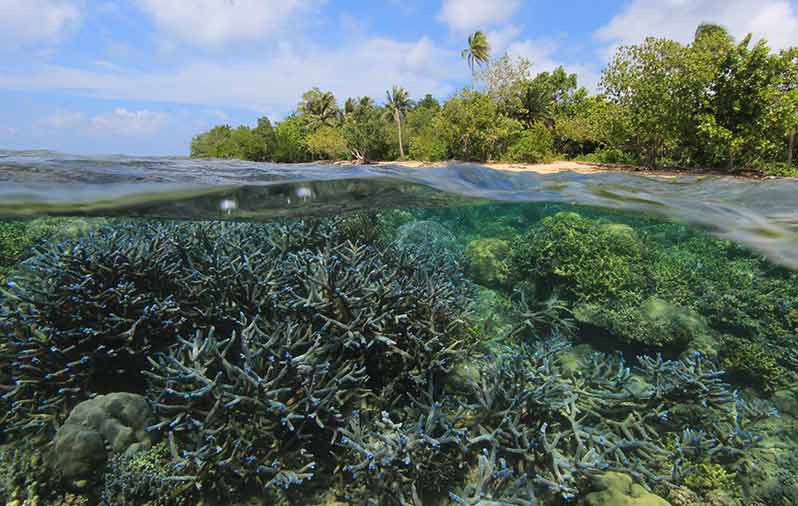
(578, 167)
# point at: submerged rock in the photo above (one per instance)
(108, 423)
(617, 489)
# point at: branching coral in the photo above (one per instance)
(394, 463)
(560, 429)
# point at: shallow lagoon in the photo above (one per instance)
(373, 336)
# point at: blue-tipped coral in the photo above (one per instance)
(558, 428)
(393, 463)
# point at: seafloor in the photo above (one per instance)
(496, 355)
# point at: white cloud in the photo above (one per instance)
(540, 53)
(64, 119)
(31, 21)
(119, 122)
(467, 15)
(216, 22)
(775, 20)
(272, 86)
(501, 38)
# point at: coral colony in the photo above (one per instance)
(292, 357)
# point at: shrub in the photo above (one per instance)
(534, 145)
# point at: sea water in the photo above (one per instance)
(178, 332)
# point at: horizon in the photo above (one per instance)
(141, 77)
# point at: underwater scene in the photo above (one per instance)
(363, 336)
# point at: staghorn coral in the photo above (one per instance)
(562, 429)
(403, 463)
(495, 484)
(336, 325)
(81, 316)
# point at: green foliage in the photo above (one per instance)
(713, 103)
(320, 108)
(366, 132)
(290, 139)
(424, 140)
(646, 82)
(534, 145)
(478, 50)
(473, 128)
(327, 143)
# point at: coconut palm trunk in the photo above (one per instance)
(398, 119)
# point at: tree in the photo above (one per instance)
(424, 139)
(398, 102)
(478, 51)
(474, 129)
(737, 126)
(291, 136)
(321, 107)
(647, 81)
(328, 143)
(789, 98)
(428, 102)
(365, 131)
(712, 30)
(504, 80)
(207, 144)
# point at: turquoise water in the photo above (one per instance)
(177, 332)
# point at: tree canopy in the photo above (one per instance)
(714, 103)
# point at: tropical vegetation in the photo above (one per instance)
(715, 103)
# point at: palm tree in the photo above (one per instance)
(478, 51)
(397, 104)
(321, 107)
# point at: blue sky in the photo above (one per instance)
(142, 76)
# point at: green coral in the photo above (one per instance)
(17, 237)
(486, 262)
(142, 479)
(580, 259)
(706, 477)
(653, 323)
(618, 489)
(754, 364)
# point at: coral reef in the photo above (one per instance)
(579, 259)
(486, 262)
(653, 323)
(338, 361)
(435, 246)
(141, 479)
(563, 429)
(620, 490)
(115, 421)
(403, 463)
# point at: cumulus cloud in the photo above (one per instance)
(34, 21)
(775, 20)
(217, 22)
(118, 122)
(467, 15)
(272, 86)
(121, 121)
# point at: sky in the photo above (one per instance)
(141, 77)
